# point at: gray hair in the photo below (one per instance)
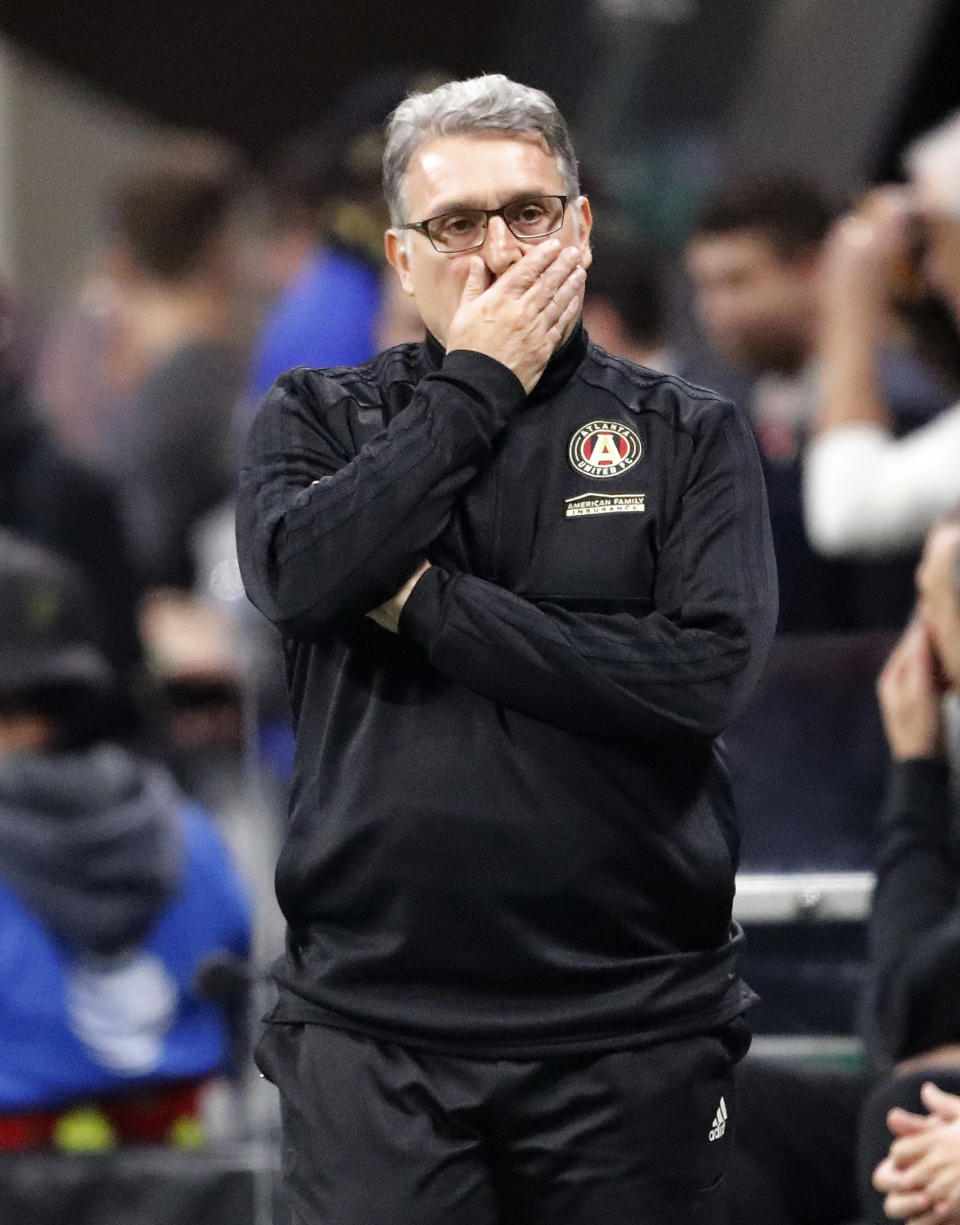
(934, 161)
(487, 104)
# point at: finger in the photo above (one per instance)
(478, 279)
(891, 1175)
(554, 277)
(572, 308)
(924, 1170)
(946, 1105)
(909, 1149)
(931, 1217)
(885, 1176)
(527, 270)
(905, 1123)
(934, 1215)
(901, 1204)
(570, 291)
(941, 1185)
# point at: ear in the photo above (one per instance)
(583, 221)
(398, 256)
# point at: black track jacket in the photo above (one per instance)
(510, 832)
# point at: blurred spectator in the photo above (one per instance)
(59, 503)
(338, 305)
(144, 379)
(623, 307)
(808, 1140)
(754, 259)
(116, 895)
(866, 491)
(752, 256)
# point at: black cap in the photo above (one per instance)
(48, 634)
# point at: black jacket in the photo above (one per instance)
(913, 1004)
(510, 830)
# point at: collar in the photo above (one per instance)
(560, 368)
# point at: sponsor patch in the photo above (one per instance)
(604, 504)
(601, 449)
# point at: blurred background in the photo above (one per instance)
(662, 94)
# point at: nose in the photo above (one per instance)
(500, 248)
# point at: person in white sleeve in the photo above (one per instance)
(866, 492)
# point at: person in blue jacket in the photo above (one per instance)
(115, 890)
(324, 184)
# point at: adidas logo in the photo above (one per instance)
(719, 1124)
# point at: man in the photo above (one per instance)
(866, 491)
(523, 585)
(162, 342)
(623, 309)
(754, 257)
(809, 1141)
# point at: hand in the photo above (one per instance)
(910, 692)
(921, 1174)
(521, 317)
(862, 259)
(388, 614)
(865, 253)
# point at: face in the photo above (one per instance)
(937, 601)
(474, 172)
(756, 309)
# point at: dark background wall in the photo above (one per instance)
(251, 71)
(788, 71)
(664, 95)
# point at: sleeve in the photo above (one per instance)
(914, 929)
(867, 493)
(682, 669)
(323, 533)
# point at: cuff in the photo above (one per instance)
(422, 615)
(484, 378)
(918, 792)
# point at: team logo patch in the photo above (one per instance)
(604, 448)
(604, 504)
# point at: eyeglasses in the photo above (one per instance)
(466, 228)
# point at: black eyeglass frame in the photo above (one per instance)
(422, 227)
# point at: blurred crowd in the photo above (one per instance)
(144, 745)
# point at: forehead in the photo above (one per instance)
(737, 251)
(480, 171)
(747, 255)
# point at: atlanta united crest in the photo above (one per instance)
(604, 448)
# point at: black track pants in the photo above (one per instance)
(380, 1134)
